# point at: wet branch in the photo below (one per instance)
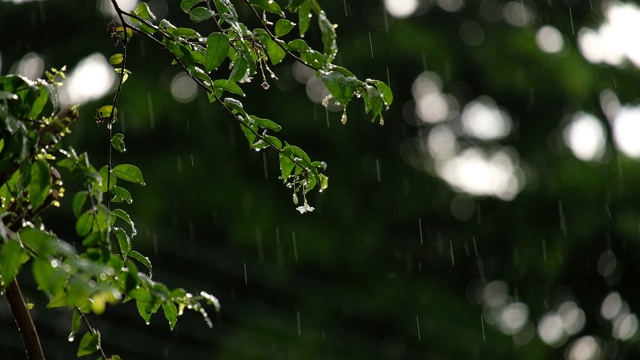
(24, 322)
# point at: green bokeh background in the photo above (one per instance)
(368, 274)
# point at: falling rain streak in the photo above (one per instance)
(418, 325)
(571, 17)
(378, 169)
(150, 104)
(245, 273)
(299, 327)
(264, 164)
(453, 260)
(563, 224)
(371, 44)
(479, 260)
(420, 228)
(295, 247)
(484, 339)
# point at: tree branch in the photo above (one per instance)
(24, 322)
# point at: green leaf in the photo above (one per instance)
(240, 68)
(40, 183)
(275, 51)
(78, 202)
(324, 182)
(43, 243)
(129, 173)
(89, 344)
(298, 152)
(200, 14)
(76, 321)
(217, 50)
(235, 105)
(188, 33)
(286, 164)
(115, 59)
(144, 12)
(11, 259)
(273, 141)
(268, 5)
(249, 129)
(84, 225)
(328, 31)
(123, 240)
(340, 86)
(229, 86)
(304, 17)
(387, 95)
(111, 181)
(186, 5)
(314, 58)
(298, 45)
(171, 313)
(372, 101)
(117, 141)
(142, 259)
(121, 194)
(283, 27)
(48, 278)
(124, 216)
(266, 123)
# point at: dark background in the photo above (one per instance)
(369, 274)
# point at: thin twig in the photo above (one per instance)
(91, 330)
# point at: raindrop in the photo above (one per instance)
(378, 169)
(420, 228)
(453, 260)
(484, 339)
(418, 325)
(371, 44)
(71, 338)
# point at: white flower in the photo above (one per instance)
(305, 208)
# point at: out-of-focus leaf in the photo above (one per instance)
(89, 344)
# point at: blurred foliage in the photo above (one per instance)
(357, 277)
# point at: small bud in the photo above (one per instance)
(295, 199)
(265, 85)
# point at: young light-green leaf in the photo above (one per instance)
(144, 11)
(217, 50)
(10, 261)
(266, 123)
(129, 173)
(328, 36)
(286, 164)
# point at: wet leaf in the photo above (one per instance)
(129, 173)
(286, 164)
(121, 194)
(387, 95)
(11, 259)
(229, 86)
(266, 123)
(340, 86)
(89, 344)
(142, 259)
(144, 11)
(217, 50)
(78, 202)
(40, 184)
(124, 216)
(117, 141)
(200, 14)
(304, 18)
(171, 313)
(328, 36)
(372, 101)
(268, 5)
(283, 27)
(186, 5)
(124, 241)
